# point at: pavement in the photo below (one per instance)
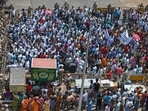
(19, 4)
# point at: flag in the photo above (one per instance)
(108, 38)
(124, 38)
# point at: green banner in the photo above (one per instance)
(43, 75)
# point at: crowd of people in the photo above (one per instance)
(48, 97)
(117, 45)
(63, 34)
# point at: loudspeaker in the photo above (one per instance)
(72, 67)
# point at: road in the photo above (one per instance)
(19, 4)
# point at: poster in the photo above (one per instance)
(43, 74)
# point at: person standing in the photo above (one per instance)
(28, 89)
(53, 98)
(24, 104)
(137, 103)
(90, 103)
(36, 90)
(58, 103)
(29, 11)
(106, 99)
(129, 105)
(85, 99)
(68, 81)
(99, 101)
(31, 98)
(143, 98)
(96, 87)
(35, 104)
(47, 104)
(118, 105)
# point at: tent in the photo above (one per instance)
(43, 70)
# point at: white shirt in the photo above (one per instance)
(85, 97)
(129, 104)
(46, 92)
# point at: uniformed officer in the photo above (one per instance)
(66, 5)
(56, 6)
(29, 10)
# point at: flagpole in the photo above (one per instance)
(85, 65)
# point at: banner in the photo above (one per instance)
(108, 38)
(124, 38)
(43, 75)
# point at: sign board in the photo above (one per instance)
(131, 88)
(136, 77)
(17, 80)
(43, 75)
(104, 83)
(43, 70)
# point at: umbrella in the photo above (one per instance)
(48, 12)
(136, 37)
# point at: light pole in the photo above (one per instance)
(85, 65)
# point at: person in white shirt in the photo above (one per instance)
(129, 104)
(44, 92)
(85, 99)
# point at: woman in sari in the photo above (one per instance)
(35, 104)
(24, 104)
(47, 104)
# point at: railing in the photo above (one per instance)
(6, 103)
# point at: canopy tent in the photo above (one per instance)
(43, 70)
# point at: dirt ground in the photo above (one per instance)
(134, 3)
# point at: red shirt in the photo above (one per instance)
(104, 50)
(118, 70)
(126, 49)
(28, 88)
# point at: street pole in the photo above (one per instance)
(84, 71)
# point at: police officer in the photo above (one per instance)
(66, 5)
(56, 6)
(95, 5)
(29, 10)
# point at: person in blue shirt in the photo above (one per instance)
(90, 103)
(137, 103)
(106, 99)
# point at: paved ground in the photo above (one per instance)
(50, 3)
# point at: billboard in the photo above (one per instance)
(17, 81)
(43, 70)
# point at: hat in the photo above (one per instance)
(68, 74)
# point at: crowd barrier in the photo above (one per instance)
(6, 103)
